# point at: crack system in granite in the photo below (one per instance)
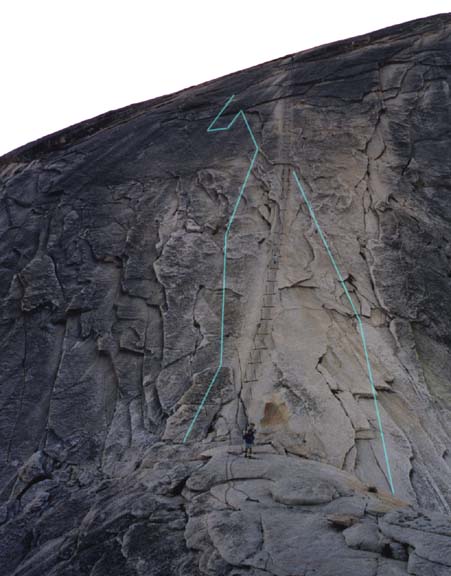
(226, 236)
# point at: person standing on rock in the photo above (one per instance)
(249, 439)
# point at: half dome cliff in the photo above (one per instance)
(325, 319)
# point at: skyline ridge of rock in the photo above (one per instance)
(52, 138)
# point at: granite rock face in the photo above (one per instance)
(112, 236)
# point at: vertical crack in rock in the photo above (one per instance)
(52, 389)
(22, 389)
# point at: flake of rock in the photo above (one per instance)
(365, 536)
(342, 520)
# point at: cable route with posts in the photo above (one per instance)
(266, 316)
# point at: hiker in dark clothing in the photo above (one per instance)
(249, 439)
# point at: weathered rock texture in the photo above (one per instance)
(111, 270)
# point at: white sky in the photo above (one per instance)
(63, 61)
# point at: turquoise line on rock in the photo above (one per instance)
(360, 324)
(226, 237)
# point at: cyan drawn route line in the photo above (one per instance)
(226, 237)
(359, 322)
